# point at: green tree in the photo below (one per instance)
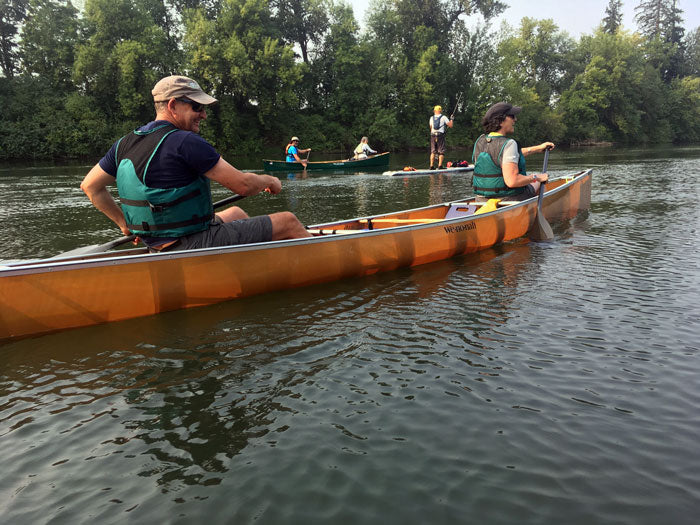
(12, 15)
(661, 22)
(650, 16)
(241, 59)
(211, 8)
(127, 50)
(415, 43)
(691, 65)
(684, 100)
(301, 22)
(618, 96)
(340, 82)
(473, 52)
(613, 16)
(49, 38)
(537, 57)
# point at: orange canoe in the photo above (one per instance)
(55, 294)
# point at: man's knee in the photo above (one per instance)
(285, 225)
(231, 214)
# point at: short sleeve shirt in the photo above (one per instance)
(510, 152)
(291, 152)
(181, 158)
(441, 128)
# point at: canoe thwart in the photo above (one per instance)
(328, 231)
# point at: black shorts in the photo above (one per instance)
(437, 143)
(529, 192)
(243, 231)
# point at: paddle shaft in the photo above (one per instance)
(544, 170)
(541, 230)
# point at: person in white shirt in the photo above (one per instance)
(438, 125)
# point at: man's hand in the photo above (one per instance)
(274, 185)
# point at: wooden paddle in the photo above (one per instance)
(99, 248)
(541, 230)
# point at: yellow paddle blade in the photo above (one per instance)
(491, 205)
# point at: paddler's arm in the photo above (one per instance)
(514, 179)
(243, 183)
(95, 187)
(538, 149)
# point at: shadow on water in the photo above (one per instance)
(193, 387)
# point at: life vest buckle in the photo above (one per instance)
(155, 208)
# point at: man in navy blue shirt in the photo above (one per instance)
(162, 172)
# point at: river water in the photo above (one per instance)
(530, 383)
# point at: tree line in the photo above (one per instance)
(72, 80)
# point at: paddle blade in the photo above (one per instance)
(541, 230)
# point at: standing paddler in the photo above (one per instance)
(438, 126)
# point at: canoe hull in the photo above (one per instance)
(375, 161)
(46, 296)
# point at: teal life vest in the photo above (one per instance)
(488, 176)
(158, 212)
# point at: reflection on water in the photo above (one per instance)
(529, 383)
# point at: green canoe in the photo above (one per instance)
(375, 161)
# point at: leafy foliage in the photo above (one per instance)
(613, 16)
(73, 82)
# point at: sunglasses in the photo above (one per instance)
(196, 106)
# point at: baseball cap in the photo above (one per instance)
(176, 86)
(502, 108)
(294, 138)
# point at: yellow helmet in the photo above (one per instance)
(437, 108)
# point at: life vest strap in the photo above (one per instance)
(144, 226)
(162, 205)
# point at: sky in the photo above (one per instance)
(576, 17)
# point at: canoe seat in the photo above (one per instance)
(461, 209)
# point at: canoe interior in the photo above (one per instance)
(463, 208)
